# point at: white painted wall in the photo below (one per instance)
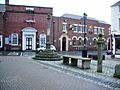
(115, 15)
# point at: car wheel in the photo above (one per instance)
(40, 50)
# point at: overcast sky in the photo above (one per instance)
(99, 9)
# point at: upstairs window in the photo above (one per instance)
(109, 31)
(80, 29)
(29, 9)
(84, 28)
(101, 30)
(95, 30)
(75, 28)
(14, 39)
(64, 27)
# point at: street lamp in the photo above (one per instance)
(53, 31)
(84, 51)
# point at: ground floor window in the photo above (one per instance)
(94, 42)
(42, 39)
(80, 41)
(14, 39)
(1, 41)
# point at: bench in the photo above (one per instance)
(74, 61)
(95, 57)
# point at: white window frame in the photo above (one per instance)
(95, 30)
(12, 38)
(79, 40)
(80, 28)
(110, 31)
(1, 40)
(101, 30)
(29, 9)
(42, 40)
(64, 27)
(75, 28)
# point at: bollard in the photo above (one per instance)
(100, 44)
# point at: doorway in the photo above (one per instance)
(64, 44)
(28, 43)
(29, 38)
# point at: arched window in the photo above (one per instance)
(80, 41)
(14, 39)
(94, 41)
(74, 41)
(42, 40)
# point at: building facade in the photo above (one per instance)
(115, 28)
(25, 28)
(71, 33)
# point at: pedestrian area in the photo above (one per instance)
(105, 78)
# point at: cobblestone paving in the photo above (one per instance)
(106, 78)
(21, 73)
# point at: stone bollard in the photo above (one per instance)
(117, 71)
(100, 44)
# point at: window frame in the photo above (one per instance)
(13, 39)
(75, 28)
(80, 29)
(95, 30)
(64, 27)
(1, 41)
(94, 41)
(42, 40)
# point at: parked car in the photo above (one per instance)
(117, 52)
(42, 48)
(108, 52)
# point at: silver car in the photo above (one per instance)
(42, 48)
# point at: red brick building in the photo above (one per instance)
(70, 33)
(25, 28)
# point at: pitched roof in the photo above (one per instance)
(76, 16)
(116, 4)
(72, 16)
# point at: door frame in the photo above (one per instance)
(67, 42)
(29, 32)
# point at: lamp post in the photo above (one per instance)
(53, 31)
(84, 51)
